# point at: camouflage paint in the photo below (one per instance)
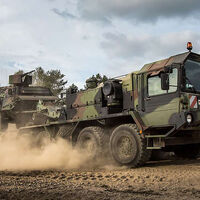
(19, 101)
(49, 109)
(161, 115)
(127, 82)
(83, 105)
(90, 104)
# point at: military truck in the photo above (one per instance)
(157, 107)
(19, 101)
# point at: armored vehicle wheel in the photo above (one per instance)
(65, 132)
(191, 151)
(91, 140)
(128, 147)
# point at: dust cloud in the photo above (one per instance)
(18, 152)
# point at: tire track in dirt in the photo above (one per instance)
(157, 180)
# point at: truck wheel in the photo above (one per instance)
(65, 132)
(128, 147)
(188, 151)
(91, 140)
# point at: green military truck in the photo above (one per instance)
(18, 102)
(157, 107)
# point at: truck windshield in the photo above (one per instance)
(192, 74)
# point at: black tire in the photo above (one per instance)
(191, 151)
(65, 132)
(92, 140)
(127, 147)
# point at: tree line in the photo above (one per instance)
(54, 80)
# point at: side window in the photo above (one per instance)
(154, 84)
(173, 81)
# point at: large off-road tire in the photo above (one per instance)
(92, 141)
(65, 132)
(127, 146)
(191, 151)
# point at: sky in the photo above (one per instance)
(86, 37)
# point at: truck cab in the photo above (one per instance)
(169, 100)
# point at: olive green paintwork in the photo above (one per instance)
(84, 105)
(161, 114)
(147, 112)
(49, 109)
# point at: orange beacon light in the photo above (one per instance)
(189, 46)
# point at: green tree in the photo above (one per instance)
(52, 79)
(95, 80)
(72, 88)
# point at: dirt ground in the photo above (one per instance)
(170, 179)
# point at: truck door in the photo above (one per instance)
(160, 105)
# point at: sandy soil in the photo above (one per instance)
(157, 180)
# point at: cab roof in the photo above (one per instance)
(159, 65)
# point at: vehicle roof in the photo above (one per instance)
(155, 67)
(158, 65)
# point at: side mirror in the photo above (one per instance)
(164, 81)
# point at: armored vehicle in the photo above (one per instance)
(3, 120)
(157, 107)
(19, 101)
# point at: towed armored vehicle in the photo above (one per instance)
(19, 101)
(157, 107)
(3, 120)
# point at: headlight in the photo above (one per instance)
(189, 118)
